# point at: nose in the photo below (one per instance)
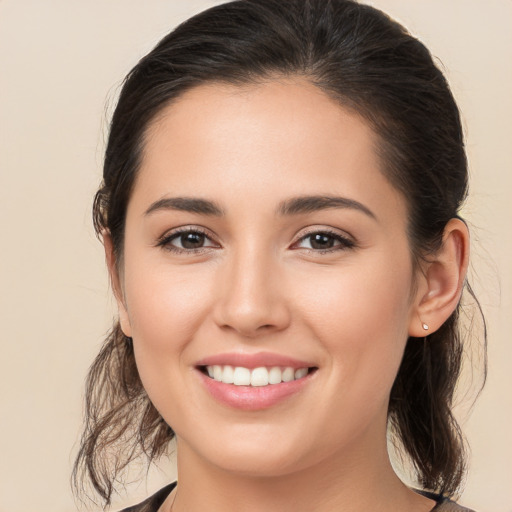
(253, 299)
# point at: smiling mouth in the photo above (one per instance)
(255, 377)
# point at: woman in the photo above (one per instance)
(280, 219)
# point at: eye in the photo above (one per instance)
(186, 240)
(325, 241)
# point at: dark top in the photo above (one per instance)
(153, 503)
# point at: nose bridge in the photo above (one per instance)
(252, 300)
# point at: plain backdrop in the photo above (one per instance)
(61, 63)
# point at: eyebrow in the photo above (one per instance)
(187, 204)
(307, 204)
(293, 206)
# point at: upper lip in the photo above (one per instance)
(259, 359)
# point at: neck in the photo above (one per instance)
(357, 479)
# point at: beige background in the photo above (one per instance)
(61, 62)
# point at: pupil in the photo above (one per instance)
(192, 240)
(322, 241)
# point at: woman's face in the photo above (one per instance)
(261, 234)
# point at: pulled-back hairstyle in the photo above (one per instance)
(370, 65)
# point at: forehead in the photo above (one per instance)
(249, 140)
(273, 116)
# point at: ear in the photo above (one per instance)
(441, 283)
(115, 281)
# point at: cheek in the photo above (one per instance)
(361, 317)
(166, 308)
(165, 305)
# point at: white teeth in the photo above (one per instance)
(240, 376)
(288, 374)
(228, 375)
(274, 375)
(259, 377)
(301, 372)
(217, 372)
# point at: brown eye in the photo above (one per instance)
(325, 241)
(321, 241)
(191, 240)
(186, 241)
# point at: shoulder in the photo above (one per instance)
(153, 503)
(443, 504)
(447, 505)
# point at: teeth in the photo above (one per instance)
(288, 374)
(301, 372)
(240, 376)
(274, 375)
(228, 375)
(217, 372)
(259, 377)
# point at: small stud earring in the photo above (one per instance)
(425, 326)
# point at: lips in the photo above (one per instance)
(259, 359)
(254, 381)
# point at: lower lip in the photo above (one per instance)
(255, 398)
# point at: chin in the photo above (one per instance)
(261, 465)
(254, 454)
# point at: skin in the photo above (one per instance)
(260, 284)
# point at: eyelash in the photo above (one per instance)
(165, 241)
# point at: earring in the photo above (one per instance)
(425, 326)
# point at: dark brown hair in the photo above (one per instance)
(369, 64)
